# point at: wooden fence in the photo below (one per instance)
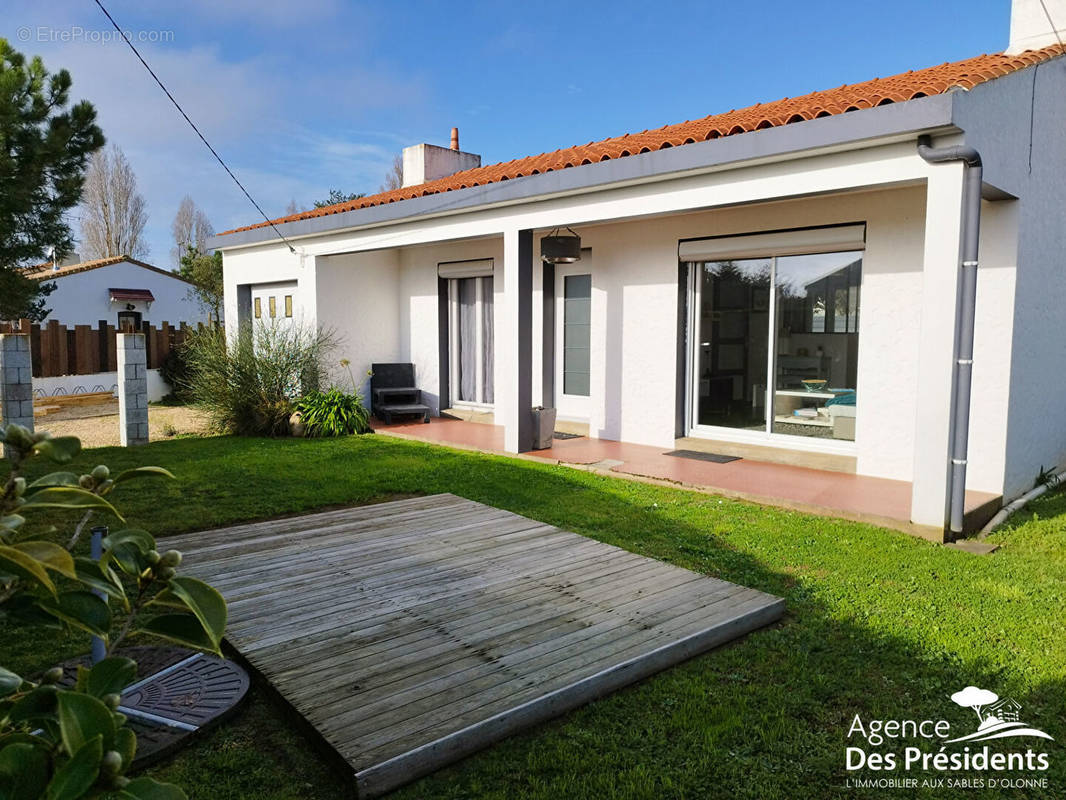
(85, 350)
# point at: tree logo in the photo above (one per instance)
(999, 721)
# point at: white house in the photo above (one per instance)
(121, 290)
(728, 260)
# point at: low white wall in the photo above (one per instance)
(97, 382)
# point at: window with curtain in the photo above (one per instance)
(472, 340)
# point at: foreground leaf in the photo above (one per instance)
(51, 555)
(82, 610)
(126, 744)
(110, 676)
(23, 771)
(69, 497)
(59, 449)
(9, 682)
(81, 719)
(102, 579)
(143, 540)
(202, 600)
(52, 480)
(38, 704)
(74, 778)
(127, 548)
(143, 472)
(11, 522)
(25, 609)
(25, 566)
(183, 629)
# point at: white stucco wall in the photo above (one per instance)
(635, 293)
(1018, 124)
(388, 299)
(358, 299)
(81, 298)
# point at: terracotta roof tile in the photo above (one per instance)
(879, 91)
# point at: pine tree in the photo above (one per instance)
(44, 146)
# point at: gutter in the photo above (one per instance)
(965, 318)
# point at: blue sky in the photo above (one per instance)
(303, 96)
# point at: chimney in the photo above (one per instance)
(1035, 24)
(428, 162)
(71, 259)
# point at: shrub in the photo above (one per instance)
(333, 413)
(175, 371)
(59, 741)
(248, 385)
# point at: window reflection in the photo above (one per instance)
(809, 335)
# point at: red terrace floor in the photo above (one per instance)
(877, 500)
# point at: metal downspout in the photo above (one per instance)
(965, 321)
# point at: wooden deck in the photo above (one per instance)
(413, 633)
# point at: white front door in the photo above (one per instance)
(573, 338)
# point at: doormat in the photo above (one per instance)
(559, 435)
(701, 456)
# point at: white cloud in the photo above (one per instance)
(287, 126)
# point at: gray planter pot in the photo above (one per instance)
(543, 427)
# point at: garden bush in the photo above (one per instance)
(333, 413)
(175, 371)
(248, 386)
(69, 742)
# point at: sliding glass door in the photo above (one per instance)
(733, 303)
(817, 336)
(774, 342)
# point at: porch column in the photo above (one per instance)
(940, 278)
(514, 406)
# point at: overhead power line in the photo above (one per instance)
(1051, 22)
(192, 124)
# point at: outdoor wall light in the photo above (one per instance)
(556, 249)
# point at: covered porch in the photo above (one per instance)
(701, 308)
(828, 492)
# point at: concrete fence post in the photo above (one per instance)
(16, 380)
(132, 389)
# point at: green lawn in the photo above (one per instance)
(878, 624)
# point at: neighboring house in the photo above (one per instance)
(725, 261)
(122, 290)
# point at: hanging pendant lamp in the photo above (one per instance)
(556, 249)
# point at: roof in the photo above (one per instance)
(44, 272)
(131, 294)
(851, 97)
